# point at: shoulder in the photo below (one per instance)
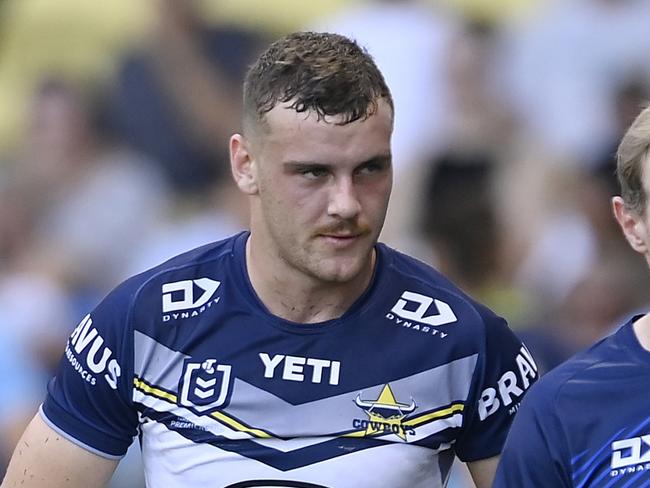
(558, 389)
(174, 278)
(423, 287)
(203, 255)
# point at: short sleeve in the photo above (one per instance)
(535, 448)
(504, 371)
(88, 401)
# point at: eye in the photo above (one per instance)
(371, 168)
(313, 172)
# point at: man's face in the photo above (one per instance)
(320, 191)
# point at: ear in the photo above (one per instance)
(633, 226)
(242, 165)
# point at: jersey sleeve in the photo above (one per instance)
(89, 399)
(536, 447)
(504, 371)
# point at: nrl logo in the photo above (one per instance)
(205, 386)
(385, 415)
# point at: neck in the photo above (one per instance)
(642, 331)
(292, 295)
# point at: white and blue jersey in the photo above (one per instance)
(224, 394)
(586, 423)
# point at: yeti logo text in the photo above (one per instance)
(629, 452)
(294, 368)
(186, 290)
(444, 316)
(199, 385)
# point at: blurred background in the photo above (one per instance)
(115, 117)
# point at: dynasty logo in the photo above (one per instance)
(180, 301)
(385, 415)
(630, 455)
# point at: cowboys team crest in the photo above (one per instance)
(385, 414)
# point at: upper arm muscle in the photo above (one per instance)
(43, 458)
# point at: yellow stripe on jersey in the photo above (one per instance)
(417, 421)
(235, 425)
(153, 391)
(429, 417)
(220, 416)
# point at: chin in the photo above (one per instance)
(338, 272)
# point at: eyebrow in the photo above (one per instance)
(379, 159)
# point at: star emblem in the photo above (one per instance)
(385, 413)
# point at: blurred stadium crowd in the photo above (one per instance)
(115, 117)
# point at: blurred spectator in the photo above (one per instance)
(38, 314)
(23, 386)
(178, 96)
(494, 12)
(479, 117)
(562, 67)
(613, 289)
(562, 221)
(273, 18)
(82, 186)
(216, 213)
(460, 222)
(477, 124)
(553, 242)
(459, 219)
(74, 39)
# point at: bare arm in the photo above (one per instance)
(483, 471)
(43, 458)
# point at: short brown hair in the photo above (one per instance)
(327, 74)
(631, 156)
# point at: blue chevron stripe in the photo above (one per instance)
(283, 461)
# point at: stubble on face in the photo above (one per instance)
(296, 215)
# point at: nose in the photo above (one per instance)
(343, 201)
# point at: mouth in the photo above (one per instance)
(341, 239)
